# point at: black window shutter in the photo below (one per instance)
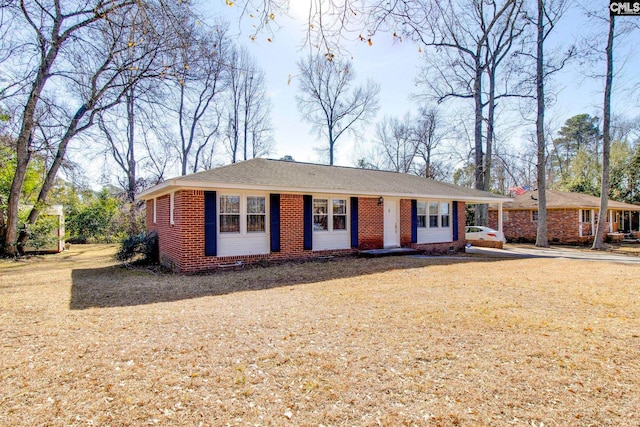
(354, 222)
(308, 222)
(210, 224)
(454, 212)
(274, 214)
(414, 221)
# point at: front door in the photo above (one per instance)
(391, 226)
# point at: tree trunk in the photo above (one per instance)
(490, 132)
(331, 142)
(246, 133)
(131, 159)
(185, 150)
(245, 125)
(52, 173)
(23, 144)
(542, 239)
(480, 209)
(598, 241)
(3, 228)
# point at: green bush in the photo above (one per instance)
(43, 233)
(143, 246)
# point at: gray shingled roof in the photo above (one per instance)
(564, 200)
(279, 175)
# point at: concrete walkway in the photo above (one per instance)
(521, 251)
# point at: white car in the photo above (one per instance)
(474, 232)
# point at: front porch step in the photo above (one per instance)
(373, 253)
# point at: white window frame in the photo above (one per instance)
(330, 215)
(243, 213)
(422, 204)
(223, 214)
(443, 215)
(327, 202)
(247, 213)
(155, 210)
(334, 215)
(430, 204)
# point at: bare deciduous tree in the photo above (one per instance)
(472, 39)
(395, 139)
(328, 101)
(547, 16)
(197, 84)
(605, 188)
(80, 45)
(248, 109)
(427, 135)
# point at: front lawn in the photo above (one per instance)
(364, 342)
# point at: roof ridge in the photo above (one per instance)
(338, 166)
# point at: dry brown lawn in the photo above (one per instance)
(349, 342)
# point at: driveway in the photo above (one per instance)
(526, 251)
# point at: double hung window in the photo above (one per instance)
(433, 214)
(320, 214)
(229, 214)
(233, 208)
(329, 220)
(422, 214)
(339, 214)
(445, 217)
(256, 214)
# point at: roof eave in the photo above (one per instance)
(178, 184)
(157, 190)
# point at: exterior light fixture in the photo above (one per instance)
(380, 200)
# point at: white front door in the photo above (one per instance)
(391, 226)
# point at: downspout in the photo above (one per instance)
(500, 219)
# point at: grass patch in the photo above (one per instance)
(389, 341)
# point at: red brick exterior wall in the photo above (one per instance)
(562, 226)
(189, 222)
(149, 215)
(292, 232)
(370, 223)
(182, 244)
(292, 226)
(405, 223)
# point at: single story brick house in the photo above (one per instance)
(571, 217)
(265, 209)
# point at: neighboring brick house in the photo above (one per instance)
(571, 217)
(264, 209)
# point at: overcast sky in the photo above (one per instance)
(394, 66)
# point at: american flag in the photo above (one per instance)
(519, 190)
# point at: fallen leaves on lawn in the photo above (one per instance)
(394, 341)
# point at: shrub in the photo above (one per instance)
(43, 233)
(143, 245)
